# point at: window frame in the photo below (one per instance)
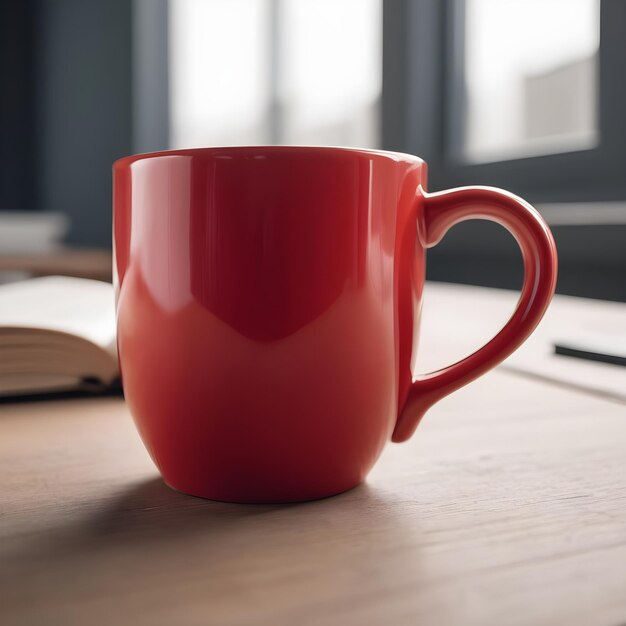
(422, 44)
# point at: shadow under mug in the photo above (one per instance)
(268, 304)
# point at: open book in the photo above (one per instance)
(57, 334)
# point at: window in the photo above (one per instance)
(438, 61)
(275, 71)
(527, 85)
(527, 95)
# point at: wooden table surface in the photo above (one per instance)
(507, 507)
(83, 263)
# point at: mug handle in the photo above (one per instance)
(441, 211)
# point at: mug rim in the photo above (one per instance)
(227, 150)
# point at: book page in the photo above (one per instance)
(79, 306)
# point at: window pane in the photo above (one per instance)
(530, 77)
(330, 78)
(219, 91)
(275, 71)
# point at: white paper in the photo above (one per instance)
(78, 306)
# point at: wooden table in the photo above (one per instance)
(507, 507)
(83, 263)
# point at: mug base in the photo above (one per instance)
(260, 498)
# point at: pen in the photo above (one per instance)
(568, 350)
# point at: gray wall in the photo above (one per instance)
(17, 99)
(150, 76)
(84, 109)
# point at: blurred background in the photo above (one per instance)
(528, 95)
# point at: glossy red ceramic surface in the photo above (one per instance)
(268, 309)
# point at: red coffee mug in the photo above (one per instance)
(268, 304)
